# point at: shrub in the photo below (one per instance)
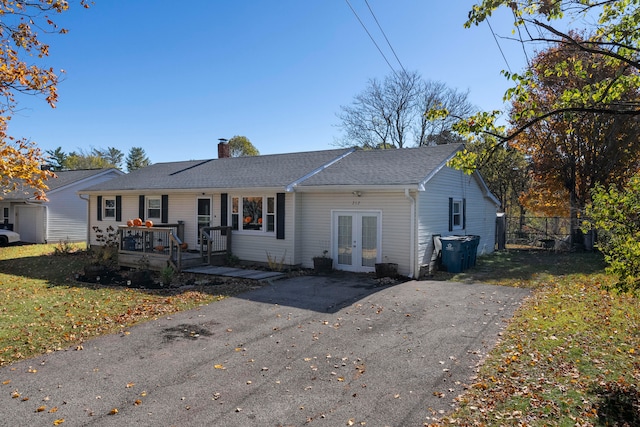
(615, 213)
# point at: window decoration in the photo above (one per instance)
(253, 213)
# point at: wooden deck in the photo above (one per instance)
(155, 248)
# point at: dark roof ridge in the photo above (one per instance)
(191, 167)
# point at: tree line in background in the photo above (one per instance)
(568, 146)
(97, 158)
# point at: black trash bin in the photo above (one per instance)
(473, 250)
(454, 256)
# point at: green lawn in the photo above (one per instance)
(43, 308)
(569, 357)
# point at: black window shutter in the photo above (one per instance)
(464, 214)
(280, 215)
(224, 218)
(118, 208)
(450, 213)
(141, 207)
(99, 205)
(164, 216)
(224, 211)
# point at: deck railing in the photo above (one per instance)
(157, 247)
(152, 246)
(215, 243)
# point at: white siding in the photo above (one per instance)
(314, 216)
(251, 246)
(433, 212)
(247, 246)
(67, 212)
(67, 217)
(30, 223)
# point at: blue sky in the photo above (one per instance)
(173, 80)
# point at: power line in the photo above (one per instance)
(498, 44)
(372, 39)
(385, 37)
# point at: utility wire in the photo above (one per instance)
(498, 44)
(372, 39)
(385, 37)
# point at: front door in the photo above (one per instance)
(204, 214)
(356, 240)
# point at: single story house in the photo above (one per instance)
(64, 217)
(359, 207)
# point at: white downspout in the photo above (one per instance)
(412, 252)
(88, 219)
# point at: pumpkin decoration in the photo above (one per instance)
(148, 223)
(247, 219)
(137, 222)
(159, 248)
(259, 220)
(129, 223)
(184, 246)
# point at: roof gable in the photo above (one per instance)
(405, 166)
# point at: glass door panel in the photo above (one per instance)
(345, 239)
(203, 215)
(369, 227)
(357, 243)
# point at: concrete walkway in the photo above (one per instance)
(235, 272)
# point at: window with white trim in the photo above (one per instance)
(456, 214)
(154, 207)
(253, 213)
(109, 208)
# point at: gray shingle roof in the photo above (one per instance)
(405, 166)
(316, 168)
(276, 170)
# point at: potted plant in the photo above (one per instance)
(386, 269)
(323, 264)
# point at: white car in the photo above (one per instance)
(8, 236)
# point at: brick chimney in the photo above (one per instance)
(223, 149)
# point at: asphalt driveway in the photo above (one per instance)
(324, 351)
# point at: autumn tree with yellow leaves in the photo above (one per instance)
(21, 53)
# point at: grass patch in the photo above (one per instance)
(45, 309)
(569, 357)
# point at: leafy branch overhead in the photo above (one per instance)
(22, 72)
(609, 36)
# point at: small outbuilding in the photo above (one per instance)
(62, 218)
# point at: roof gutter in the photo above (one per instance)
(88, 219)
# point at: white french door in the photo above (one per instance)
(356, 240)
